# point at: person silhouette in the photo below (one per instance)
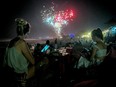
(18, 56)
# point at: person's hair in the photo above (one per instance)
(97, 32)
(22, 26)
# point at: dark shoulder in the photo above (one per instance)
(13, 42)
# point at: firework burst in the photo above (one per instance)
(57, 19)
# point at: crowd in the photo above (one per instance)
(71, 63)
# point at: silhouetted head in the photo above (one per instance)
(97, 34)
(47, 42)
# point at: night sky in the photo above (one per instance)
(90, 14)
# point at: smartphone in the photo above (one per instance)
(45, 48)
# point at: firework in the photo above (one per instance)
(57, 19)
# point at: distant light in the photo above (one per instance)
(113, 30)
(71, 35)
